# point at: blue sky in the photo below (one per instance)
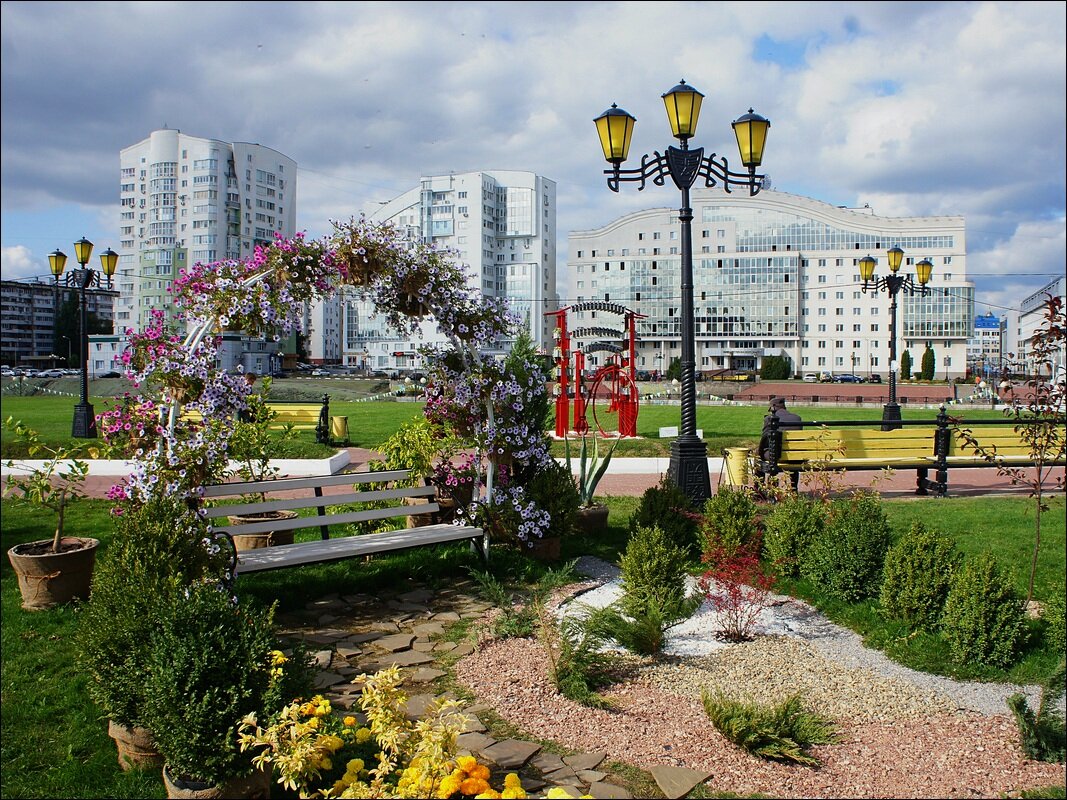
(918, 109)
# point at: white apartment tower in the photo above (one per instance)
(777, 275)
(501, 224)
(185, 200)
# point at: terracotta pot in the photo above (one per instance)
(48, 579)
(253, 787)
(255, 541)
(137, 748)
(592, 519)
(546, 549)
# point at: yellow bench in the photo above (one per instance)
(300, 416)
(978, 445)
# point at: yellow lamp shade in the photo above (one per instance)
(896, 257)
(923, 270)
(109, 259)
(683, 109)
(83, 250)
(751, 132)
(57, 260)
(615, 128)
(867, 265)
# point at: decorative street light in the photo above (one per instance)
(84, 425)
(893, 283)
(689, 461)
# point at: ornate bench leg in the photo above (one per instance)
(921, 483)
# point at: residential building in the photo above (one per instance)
(1031, 318)
(776, 275)
(501, 225)
(985, 356)
(27, 321)
(186, 199)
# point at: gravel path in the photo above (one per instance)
(904, 733)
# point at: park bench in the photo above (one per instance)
(297, 415)
(922, 445)
(384, 491)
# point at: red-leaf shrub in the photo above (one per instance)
(737, 588)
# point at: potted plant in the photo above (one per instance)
(213, 662)
(554, 490)
(50, 571)
(252, 447)
(157, 551)
(592, 516)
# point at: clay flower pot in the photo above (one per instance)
(48, 579)
(255, 541)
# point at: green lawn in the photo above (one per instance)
(54, 742)
(372, 422)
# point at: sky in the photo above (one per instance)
(915, 108)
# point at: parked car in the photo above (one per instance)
(110, 375)
(826, 377)
(319, 373)
(811, 377)
(875, 379)
(847, 378)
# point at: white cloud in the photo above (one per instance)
(18, 262)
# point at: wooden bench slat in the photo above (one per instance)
(288, 484)
(347, 547)
(329, 519)
(294, 503)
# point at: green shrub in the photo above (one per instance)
(653, 572)
(552, 487)
(575, 646)
(845, 559)
(1043, 736)
(157, 551)
(729, 520)
(210, 665)
(641, 629)
(780, 732)
(1054, 616)
(667, 506)
(776, 368)
(983, 619)
(789, 529)
(916, 577)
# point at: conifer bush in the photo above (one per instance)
(789, 530)
(1054, 617)
(983, 619)
(846, 558)
(916, 577)
(653, 572)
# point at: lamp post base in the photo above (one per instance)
(689, 468)
(891, 417)
(84, 426)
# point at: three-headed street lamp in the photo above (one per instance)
(84, 425)
(893, 283)
(689, 456)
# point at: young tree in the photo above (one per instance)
(905, 366)
(929, 363)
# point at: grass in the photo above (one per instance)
(372, 422)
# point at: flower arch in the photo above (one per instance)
(264, 295)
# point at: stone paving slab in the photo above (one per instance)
(676, 782)
(511, 753)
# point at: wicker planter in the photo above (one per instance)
(48, 579)
(253, 787)
(137, 748)
(546, 549)
(255, 541)
(592, 519)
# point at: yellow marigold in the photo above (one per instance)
(513, 793)
(355, 766)
(449, 786)
(349, 722)
(511, 780)
(313, 723)
(492, 794)
(331, 742)
(559, 793)
(473, 786)
(277, 658)
(363, 735)
(466, 763)
(480, 771)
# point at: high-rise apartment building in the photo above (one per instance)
(776, 275)
(185, 200)
(502, 226)
(984, 348)
(1031, 318)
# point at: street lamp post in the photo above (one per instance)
(893, 283)
(689, 461)
(84, 424)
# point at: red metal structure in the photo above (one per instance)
(612, 391)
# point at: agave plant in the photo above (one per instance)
(590, 470)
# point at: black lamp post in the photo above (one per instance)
(84, 425)
(893, 283)
(689, 455)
